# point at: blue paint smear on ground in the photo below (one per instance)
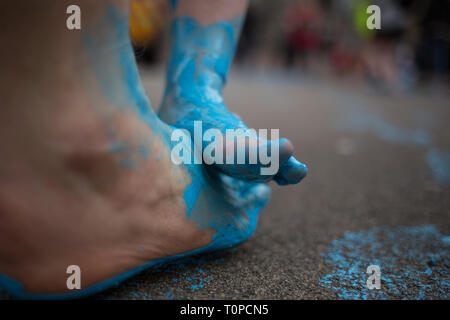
(414, 263)
(439, 162)
(358, 119)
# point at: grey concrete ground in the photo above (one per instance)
(371, 159)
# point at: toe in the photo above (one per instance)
(291, 172)
(286, 150)
(258, 172)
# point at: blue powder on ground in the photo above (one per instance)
(414, 263)
(186, 273)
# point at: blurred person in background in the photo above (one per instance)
(302, 34)
(147, 21)
(379, 50)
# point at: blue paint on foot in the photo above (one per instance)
(196, 74)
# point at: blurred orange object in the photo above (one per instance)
(147, 18)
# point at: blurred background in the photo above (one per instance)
(327, 38)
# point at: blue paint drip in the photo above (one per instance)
(414, 263)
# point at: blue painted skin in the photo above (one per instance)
(213, 200)
(197, 70)
(413, 261)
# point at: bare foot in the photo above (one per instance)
(86, 177)
(197, 70)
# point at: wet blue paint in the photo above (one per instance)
(229, 206)
(439, 162)
(414, 263)
(196, 74)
